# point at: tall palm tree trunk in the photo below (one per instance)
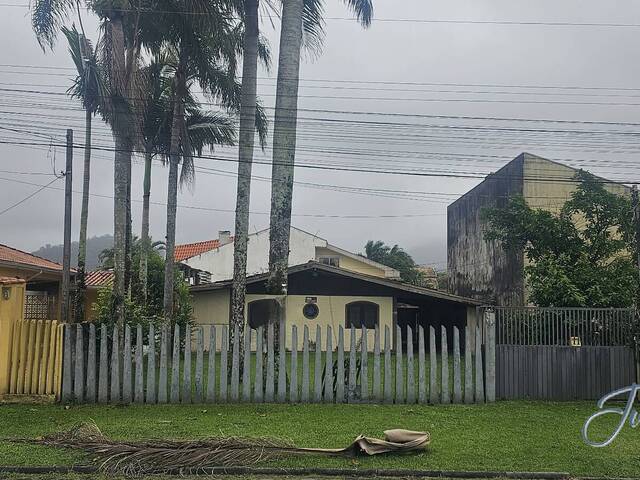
(122, 161)
(172, 193)
(284, 145)
(245, 159)
(129, 239)
(81, 284)
(144, 257)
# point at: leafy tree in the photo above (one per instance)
(395, 257)
(137, 310)
(579, 257)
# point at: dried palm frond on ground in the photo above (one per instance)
(157, 456)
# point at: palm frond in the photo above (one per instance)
(313, 26)
(47, 16)
(363, 10)
(262, 125)
(264, 52)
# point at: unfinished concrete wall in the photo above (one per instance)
(478, 268)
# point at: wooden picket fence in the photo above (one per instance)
(36, 358)
(102, 365)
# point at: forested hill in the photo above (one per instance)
(95, 245)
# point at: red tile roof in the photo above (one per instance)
(12, 255)
(99, 278)
(188, 250)
(10, 280)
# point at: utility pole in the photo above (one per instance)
(635, 203)
(66, 251)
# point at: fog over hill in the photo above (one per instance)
(95, 245)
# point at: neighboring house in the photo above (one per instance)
(212, 260)
(43, 281)
(321, 295)
(481, 269)
(95, 281)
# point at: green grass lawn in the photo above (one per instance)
(506, 436)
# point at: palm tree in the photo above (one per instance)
(204, 51)
(88, 88)
(124, 30)
(294, 16)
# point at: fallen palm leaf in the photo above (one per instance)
(157, 456)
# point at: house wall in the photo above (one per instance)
(478, 268)
(212, 308)
(349, 263)
(11, 310)
(219, 262)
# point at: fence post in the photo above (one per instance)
(115, 366)
(235, 365)
(258, 386)
(164, 365)
(138, 393)
(126, 366)
(364, 365)
(186, 367)
(304, 395)
(479, 372)
(269, 387)
(328, 369)
(91, 365)
(67, 378)
(399, 368)
(411, 382)
(444, 358)
(434, 395)
(376, 365)
(211, 371)
(490, 355)
(422, 380)
(151, 367)
(340, 369)
(351, 391)
(293, 384)
(468, 366)
(224, 363)
(78, 382)
(388, 396)
(317, 374)
(175, 367)
(246, 366)
(282, 362)
(199, 379)
(457, 386)
(103, 374)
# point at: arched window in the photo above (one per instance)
(258, 312)
(362, 314)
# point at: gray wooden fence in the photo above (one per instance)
(106, 365)
(561, 353)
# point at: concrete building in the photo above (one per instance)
(481, 269)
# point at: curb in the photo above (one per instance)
(326, 472)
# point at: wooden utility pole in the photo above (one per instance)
(66, 251)
(635, 203)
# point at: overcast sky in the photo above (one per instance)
(448, 69)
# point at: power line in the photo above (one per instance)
(398, 20)
(466, 175)
(222, 210)
(42, 187)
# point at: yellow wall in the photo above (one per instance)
(11, 310)
(349, 263)
(212, 308)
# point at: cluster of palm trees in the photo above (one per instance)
(140, 78)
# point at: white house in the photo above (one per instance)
(216, 256)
